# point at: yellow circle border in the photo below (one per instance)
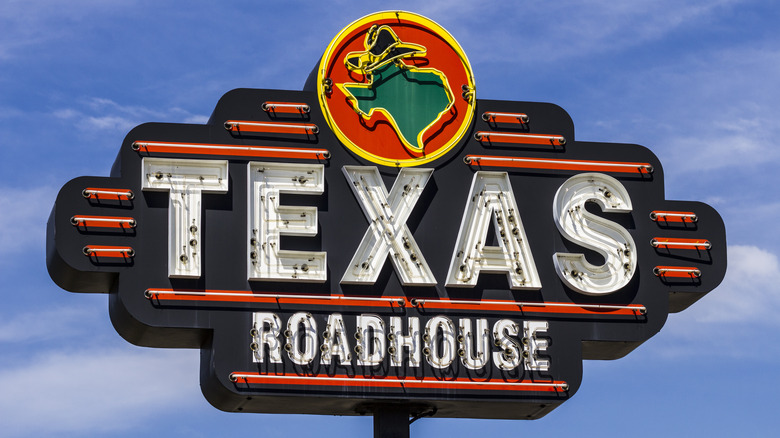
(441, 32)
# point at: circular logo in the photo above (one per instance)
(396, 89)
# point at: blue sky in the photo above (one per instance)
(698, 82)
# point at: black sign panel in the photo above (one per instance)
(316, 279)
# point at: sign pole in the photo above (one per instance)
(391, 421)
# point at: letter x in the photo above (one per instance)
(387, 232)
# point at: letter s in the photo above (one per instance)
(607, 238)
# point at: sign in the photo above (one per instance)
(384, 237)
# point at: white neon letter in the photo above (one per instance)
(444, 357)
(372, 342)
(335, 341)
(262, 336)
(479, 338)
(509, 356)
(387, 232)
(491, 197)
(301, 337)
(399, 341)
(268, 221)
(532, 345)
(605, 237)
(185, 180)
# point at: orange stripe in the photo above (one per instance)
(391, 303)
(285, 107)
(548, 307)
(108, 251)
(516, 118)
(102, 222)
(121, 195)
(673, 216)
(230, 150)
(397, 382)
(670, 243)
(271, 127)
(495, 137)
(677, 271)
(250, 297)
(541, 163)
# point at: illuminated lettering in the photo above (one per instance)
(533, 345)
(474, 345)
(605, 237)
(376, 341)
(491, 201)
(335, 341)
(508, 356)
(265, 332)
(268, 221)
(399, 341)
(301, 337)
(388, 234)
(439, 342)
(371, 340)
(186, 180)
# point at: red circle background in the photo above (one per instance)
(376, 135)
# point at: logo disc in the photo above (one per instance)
(396, 89)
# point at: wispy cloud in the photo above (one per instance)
(736, 320)
(47, 324)
(94, 391)
(23, 222)
(100, 114)
(27, 24)
(553, 32)
(750, 293)
(729, 116)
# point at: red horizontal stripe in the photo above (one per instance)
(271, 127)
(230, 150)
(121, 194)
(398, 382)
(393, 302)
(542, 163)
(102, 221)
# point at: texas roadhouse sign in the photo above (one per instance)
(384, 237)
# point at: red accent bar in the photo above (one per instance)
(271, 127)
(395, 302)
(667, 242)
(398, 382)
(286, 107)
(231, 150)
(108, 194)
(673, 216)
(496, 117)
(235, 296)
(108, 251)
(531, 307)
(677, 271)
(544, 163)
(102, 221)
(512, 137)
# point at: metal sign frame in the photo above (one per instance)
(315, 280)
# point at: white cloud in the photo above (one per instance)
(95, 391)
(100, 115)
(738, 320)
(750, 293)
(551, 32)
(27, 24)
(23, 221)
(731, 122)
(48, 324)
